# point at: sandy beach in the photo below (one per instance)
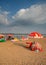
(17, 54)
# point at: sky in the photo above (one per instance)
(22, 16)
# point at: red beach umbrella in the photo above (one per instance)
(35, 35)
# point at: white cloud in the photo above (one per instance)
(24, 19)
(34, 14)
(19, 13)
(4, 18)
(6, 12)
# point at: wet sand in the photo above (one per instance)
(17, 54)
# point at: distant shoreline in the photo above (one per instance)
(20, 34)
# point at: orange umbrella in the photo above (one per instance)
(1, 35)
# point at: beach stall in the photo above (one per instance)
(35, 35)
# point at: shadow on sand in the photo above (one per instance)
(22, 45)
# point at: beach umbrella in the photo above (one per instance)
(10, 36)
(1, 36)
(35, 35)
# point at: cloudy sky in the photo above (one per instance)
(23, 16)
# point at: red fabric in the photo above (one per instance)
(34, 34)
(10, 35)
(30, 44)
(33, 49)
(37, 46)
